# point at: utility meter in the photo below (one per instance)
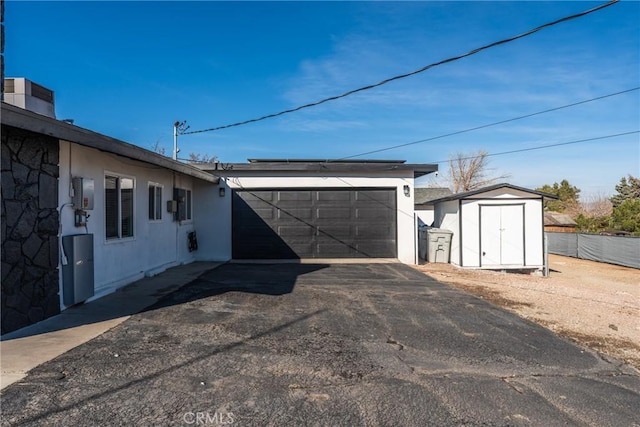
(83, 189)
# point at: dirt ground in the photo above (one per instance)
(592, 303)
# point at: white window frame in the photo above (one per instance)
(119, 235)
(155, 215)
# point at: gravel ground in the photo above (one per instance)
(592, 303)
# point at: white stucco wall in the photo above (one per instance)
(426, 215)
(405, 218)
(155, 246)
(213, 213)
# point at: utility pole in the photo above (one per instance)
(178, 128)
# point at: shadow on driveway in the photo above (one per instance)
(196, 280)
(265, 279)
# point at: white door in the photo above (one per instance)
(501, 235)
(490, 235)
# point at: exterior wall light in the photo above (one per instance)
(407, 191)
(221, 191)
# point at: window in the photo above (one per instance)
(155, 202)
(118, 201)
(184, 204)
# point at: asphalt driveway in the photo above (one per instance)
(304, 344)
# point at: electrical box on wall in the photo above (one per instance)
(83, 190)
(77, 271)
(183, 197)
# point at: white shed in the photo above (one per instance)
(496, 227)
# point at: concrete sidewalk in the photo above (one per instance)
(26, 348)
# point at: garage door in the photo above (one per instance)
(295, 223)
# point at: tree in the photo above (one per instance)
(626, 216)
(593, 214)
(627, 189)
(596, 206)
(592, 224)
(567, 197)
(157, 148)
(201, 158)
(626, 205)
(471, 171)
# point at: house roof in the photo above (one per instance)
(425, 196)
(468, 194)
(558, 219)
(318, 165)
(30, 121)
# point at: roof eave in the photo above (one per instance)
(23, 119)
(323, 167)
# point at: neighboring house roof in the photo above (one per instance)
(425, 196)
(558, 219)
(319, 165)
(30, 121)
(491, 188)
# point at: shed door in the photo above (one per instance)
(310, 223)
(501, 235)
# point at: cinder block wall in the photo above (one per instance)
(30, 284)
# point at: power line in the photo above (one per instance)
(541, 147)
(418, 71)
(501, 153)
(489, 124)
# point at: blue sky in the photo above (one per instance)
(131, 69)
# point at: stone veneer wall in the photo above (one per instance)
(30, 283)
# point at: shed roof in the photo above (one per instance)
(468, 194)
(317, 166)
(34, 122)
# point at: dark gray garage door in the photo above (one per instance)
(328, 223)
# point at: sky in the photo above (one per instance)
(129, 70)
